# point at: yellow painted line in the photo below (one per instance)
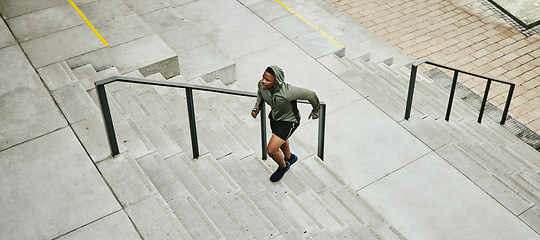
(310, 24)
(285, 6)
(88, 23)
(323, 33)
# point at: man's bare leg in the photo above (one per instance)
(273, 149)
(286, 150)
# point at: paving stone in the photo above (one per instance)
(211, 19)
(27, 111)
(44, 22)
(214, 61)
(182, 29)
(123, 29)
(459, 192)
(530, 217)
(35, 194)
(116, 225)
(292, 26)
(268, 10)
(99, 12)
(142, 7)
(13, 8)
(6, 38)
(61, 45)
(163, 19)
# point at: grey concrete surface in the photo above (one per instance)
(61, 45)
(114, 226)
(28, 110)
(399, 186)
(6, 38)
(44, 22)
(123, 29)
(149, 55)
(431, 192)
(49, 187)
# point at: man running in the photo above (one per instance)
(284, 116)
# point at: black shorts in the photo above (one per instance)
(283, 129)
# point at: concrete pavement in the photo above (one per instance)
(47, 158)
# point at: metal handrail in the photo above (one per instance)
(107, 117)
(412, 82)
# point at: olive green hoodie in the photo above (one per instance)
(283, 99)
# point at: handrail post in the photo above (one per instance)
(507, 105)
(486, 92)
(451, 98)
(322, 123)
(263, 131)
(192, 122)
(107, 119)
(412, 81)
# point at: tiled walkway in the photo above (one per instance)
(461, 34)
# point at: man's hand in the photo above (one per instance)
(254, 112)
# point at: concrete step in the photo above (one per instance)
(277, 215)
(194, 218)
(75, 103)
(57, 75)
(501, 189)
(163, 178)
(215, 175)
(222, 217)
(91, 133)
(156, 220)
(133, 138)
(250, 217)
(180, 132)
(425, 132)
(185, 170)
(148, 54)
(87, 75)
(159, 137)
(327, 217)
(126, 179)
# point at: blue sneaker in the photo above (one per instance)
(278, 174)
(293, 159)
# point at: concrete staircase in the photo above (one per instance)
(225, 193)
(494, 159)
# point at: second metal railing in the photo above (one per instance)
(111, 135)
(412, 82)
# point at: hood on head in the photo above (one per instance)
(280, 76)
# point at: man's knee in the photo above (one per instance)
(271, 150)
